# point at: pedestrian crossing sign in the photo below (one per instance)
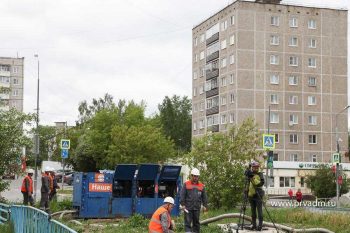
(269, 141)
(65, 144)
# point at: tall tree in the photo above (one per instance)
(175, 117)
(12, 141)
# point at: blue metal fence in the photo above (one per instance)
(28, 219)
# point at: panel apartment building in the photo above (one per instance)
(254, 55)
(11, 78)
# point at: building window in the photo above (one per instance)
(312, 120)
(275, 156)
(293, 41)
(293, 99)
(4, 79)
(293, 61)
(201, 55)
(312, 43)
(232, 117)
(312, 81)
(224, 25)
(311, 24)
(293, 80)
(232, 98)
(195, 41)
(275, 20)
(293, 22)
(294, 157)
(274, 118)
(314, 158)
(213, 120)
(232, 59)
(15, 81)
(232, 78)
(274, 79)
(274, 60)
(312, 139)
(211, 31)
(223, 63)
(15, 69)
(274, 40)
(194, 91)
(212, 102)
(302, 182)
(223, 44)
(201, 106)
(195, 107)
(201, 71)
(293, 119)
(195, 126)
(271, 181)
(232, 39)
(15, 93)
(201, 124)
(277, 138)
(4, 68)
(223, 119)
(213, 48)
(202, 38)
(201, 89)
(274, 99)
(211, 84)
(312, 62)
(287, 182)
(311, 100)
(195, 75)
(232, 20)
(223, 81)
(196, 57)
(293, 138)
(223, 100)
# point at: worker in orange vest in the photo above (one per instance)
(27, 188)
(161, 220)
(45, 190)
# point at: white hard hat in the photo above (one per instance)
(169, 200)
(195, 172)
(30, 171)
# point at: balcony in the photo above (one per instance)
(213, 128)
(212, 110)
(213, 38)
(4, 108)
(4, 96)
(5, 73)
(213, 56)
(212, 92)
(6, 85)
(209, 74)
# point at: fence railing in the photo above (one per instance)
(31, 220)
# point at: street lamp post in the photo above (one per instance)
(37, 150)
(338, 150)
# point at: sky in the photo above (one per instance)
(132, 49)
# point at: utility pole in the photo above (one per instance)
(36, 137)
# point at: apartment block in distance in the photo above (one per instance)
(252, 56)
(11, 78)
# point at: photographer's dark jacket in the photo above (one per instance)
(193, 195)
(255, 185)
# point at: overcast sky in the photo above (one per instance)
(134, 50)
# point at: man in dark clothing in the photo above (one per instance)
(192, 196)
(256, 194)
(27, 188)
(45, 190)
(52, 194)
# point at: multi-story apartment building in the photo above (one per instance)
(252, 56)
(11, 83)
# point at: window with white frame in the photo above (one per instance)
(293, 138)
(274, 60)
(223, 119)
(232, 39)
(213, 120)
(232, 59)
(232, 78)
(312, 43)
(195, 41)
(311, 100)
(223, 81)
(312, 120)
(195, 126)
(232, 20)
(294, 157)
(194, 91)
(293, 61)
(293, 41)
(15, 69)
(212, 102)
(314, 158)
(275, 20)
(312, 81)
(293, 22)
(274, 118)
(201, 106)
(293, 99)
(312, 62)
(224, 25)
(201, 124)
(223, 44)
(223, 63)
(201, 71)
(271, 181)
(274, 79)
(274, 40)
(273, 99)
(15, 93)
(232, 98)
(293, 119)
(195, 107)
(287, 182)
(311, 24)
(4, 79)
(201, 55)
(277, 138)
(211, 84)
(196, 57)
(15, 81)
(213, 48)
(232, 117)
(293, 80)
(312, 139)
(202, 38)
(195, 75)
(223, 100)
(212, 30)
(201, 89)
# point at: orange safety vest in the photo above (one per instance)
(190, 186)
(51, 182)
(155, 225)
(23, 188)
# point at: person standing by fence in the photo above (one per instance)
(27, 188)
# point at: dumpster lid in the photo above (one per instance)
(170, 172)
(125, 171)
(148, 172)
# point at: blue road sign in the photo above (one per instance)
(269, 141)
(64, 153)
(65, 144)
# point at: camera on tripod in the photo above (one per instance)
(248, 172)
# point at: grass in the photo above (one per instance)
(65, 191)
(6, 228)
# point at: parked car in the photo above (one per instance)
(59, 174)
(68, 179)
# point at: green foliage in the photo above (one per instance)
(7, 228)
(56, 206)
(220, 158)
(323, 182)
(12, 141)
(175, 118)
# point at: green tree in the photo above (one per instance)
(221, 158)
(175, 117)
(323, 182)
(12, 141)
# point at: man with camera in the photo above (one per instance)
(256, 194)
